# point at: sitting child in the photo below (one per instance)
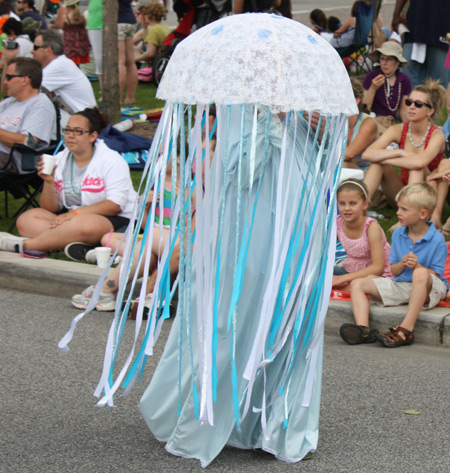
(318, 21)
(417, 260)
(345, 34)
(334, 23)
(362, 237)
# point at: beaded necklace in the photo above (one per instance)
(387, 90)
(423, 139)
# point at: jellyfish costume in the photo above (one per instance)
(242, 364)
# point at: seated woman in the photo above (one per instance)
(362, 131)
(421, 144)
(89, 192)
(386, 88)
(157, 32)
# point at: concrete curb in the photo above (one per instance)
(58, 278)
(46, 276)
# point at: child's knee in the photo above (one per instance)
(421, 276)
(357, 285)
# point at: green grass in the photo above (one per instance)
(145, 95)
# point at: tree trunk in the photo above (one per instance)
(110, 93)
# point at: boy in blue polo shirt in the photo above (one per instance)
(418, 254)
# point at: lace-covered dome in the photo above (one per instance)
(262, 59)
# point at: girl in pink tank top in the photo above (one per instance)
(362, 237)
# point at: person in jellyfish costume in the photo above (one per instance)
(243, 361)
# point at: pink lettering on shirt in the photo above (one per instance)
(91, 184)
(13, 121)
(59, 186)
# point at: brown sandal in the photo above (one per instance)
(392, 339)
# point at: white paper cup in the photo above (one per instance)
(102, 253)
(49, 163)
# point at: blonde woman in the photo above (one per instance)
(421, 144)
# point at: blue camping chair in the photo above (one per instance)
(363, 42)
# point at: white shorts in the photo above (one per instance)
(394, 293)
(96, 40)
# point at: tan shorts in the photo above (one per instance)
(394, 293)
(125, 31)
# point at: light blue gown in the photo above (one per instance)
(290, 427)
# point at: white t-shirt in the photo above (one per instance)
(63, 77)
(35, 116)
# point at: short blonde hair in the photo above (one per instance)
(421, 195)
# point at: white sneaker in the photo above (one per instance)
(12, 243)
(106, 302)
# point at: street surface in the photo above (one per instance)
(49, 422)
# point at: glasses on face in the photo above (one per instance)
(74, 131)
(11, 76)
(417, 103)
(37, 46)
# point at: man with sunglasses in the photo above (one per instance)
(26, 116)
(61, 76)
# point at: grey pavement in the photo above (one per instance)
(58, 278)
(49, 422)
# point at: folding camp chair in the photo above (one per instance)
(364, 37)
(27, 185)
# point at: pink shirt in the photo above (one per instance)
(358, 250)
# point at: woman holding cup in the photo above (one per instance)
(88, 193)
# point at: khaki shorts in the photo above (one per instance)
(125, 31)
(394, 293)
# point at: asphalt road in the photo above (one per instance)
(49, 422)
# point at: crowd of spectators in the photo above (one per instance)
(397, 101)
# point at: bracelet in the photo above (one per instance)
(74, 212)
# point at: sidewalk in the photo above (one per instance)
(64, 278)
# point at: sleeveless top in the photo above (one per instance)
(433, 165)
(76, 42)
(163, 213)
(358, 250)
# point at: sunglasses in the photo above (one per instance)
(36, 47)
(75, 131)
(417, 103)
(11, 76)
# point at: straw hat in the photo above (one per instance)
(69, 3)
(389, 48)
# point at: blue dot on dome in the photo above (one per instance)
(312, 40)
(264, 33)
(217, 29)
